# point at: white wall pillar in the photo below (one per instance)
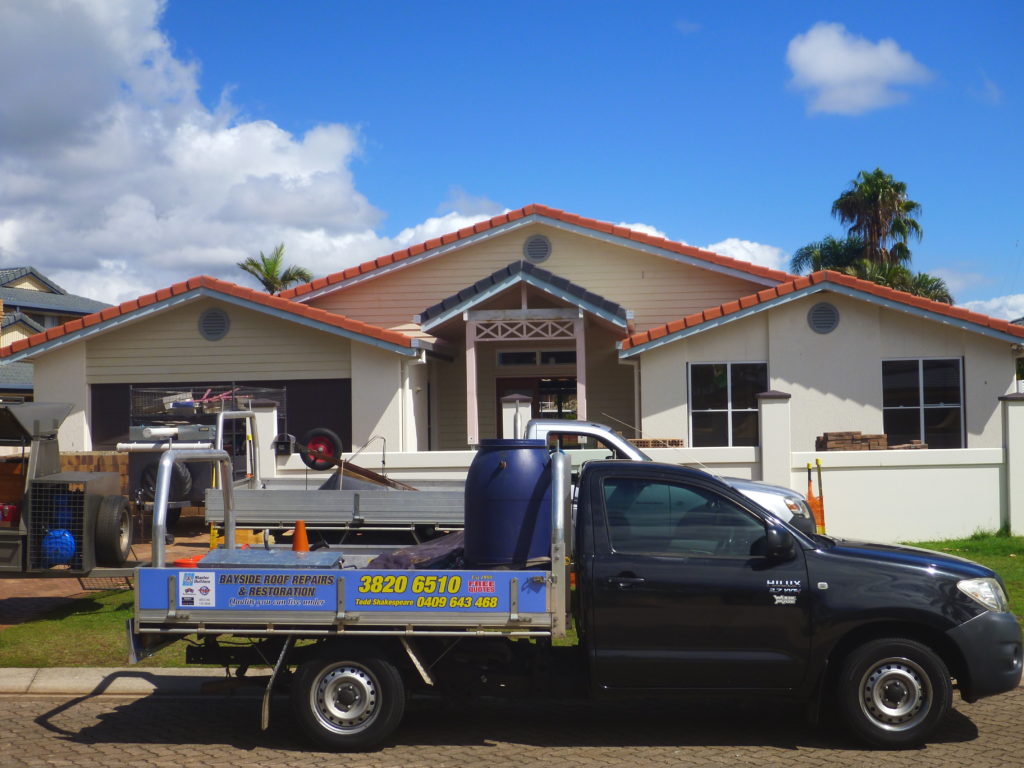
(472, 413)
(1012, 512)
(376, 395)
(775, 437)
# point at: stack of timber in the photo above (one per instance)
(850, 441)
(658, 442)
(97, 461)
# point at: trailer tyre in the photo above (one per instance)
(893, 692)
(324, 441)
(113, 531)
(348, 704)
(181, 481)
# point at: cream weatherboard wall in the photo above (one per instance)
(168, 347)
(657, 289)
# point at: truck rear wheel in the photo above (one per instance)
(893, 692)
(350, 703)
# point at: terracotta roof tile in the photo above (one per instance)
(818, 278)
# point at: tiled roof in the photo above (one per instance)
(11, 318)
(817, 278)
(214, 285)
(508, 275)
(11, 274)
(550, 213)
(15, 376)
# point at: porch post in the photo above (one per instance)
(472, 416)
(579, 331)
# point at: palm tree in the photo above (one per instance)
(268, 270)
(877, 208)
(829, 253)
(898, 277)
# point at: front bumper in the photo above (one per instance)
(990, 644)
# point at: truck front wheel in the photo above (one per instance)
(350, 703)
(893, 692)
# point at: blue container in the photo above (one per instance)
(508, 504)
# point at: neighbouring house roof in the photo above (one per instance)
(13, 318)
(528, 215)
(814, 283)
(199, 287)
(15, 377)
(1018, 321)
(521, 272)
(56, 300)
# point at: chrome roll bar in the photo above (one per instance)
(162, 493)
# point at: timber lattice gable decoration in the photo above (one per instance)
(525, 330)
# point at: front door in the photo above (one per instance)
(552, 397)
(681, 597)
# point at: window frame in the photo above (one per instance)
(921, 405)
(728, 410)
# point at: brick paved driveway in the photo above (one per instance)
(219, 731)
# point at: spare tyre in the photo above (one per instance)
(324, 442)
(113, 531)
(181, 481)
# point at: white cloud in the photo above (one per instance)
(756, 253)
(1005, 307)
(958, 280)
(646, 229)
(118, 181)
(849, 75)
(687, 27)
(988, 92)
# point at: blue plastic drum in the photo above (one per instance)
(508, 504)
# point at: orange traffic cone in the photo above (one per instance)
(300, 542)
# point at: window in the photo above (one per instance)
(723, 402)
(654, 517)
(923, 400)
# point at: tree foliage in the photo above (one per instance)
(876, 208)
(272, 273)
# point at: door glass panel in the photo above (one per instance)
(653, 517)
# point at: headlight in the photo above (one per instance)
(797, 507)
(985, 591)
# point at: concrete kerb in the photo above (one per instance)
(126, 681)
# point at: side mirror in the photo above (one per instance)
(779, 544)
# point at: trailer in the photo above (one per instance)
(683, 587)
(56, 523)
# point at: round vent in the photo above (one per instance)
(537, 248)
(214, 324)
(823, 317)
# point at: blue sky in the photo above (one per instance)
(194, 133)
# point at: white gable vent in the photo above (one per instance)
(537, 248)
(823, 317)
(214, 324)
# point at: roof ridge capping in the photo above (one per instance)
(818, 278)
(536, 209)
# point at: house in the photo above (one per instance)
(29, 304)
(745, 366)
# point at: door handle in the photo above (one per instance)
(625, 582)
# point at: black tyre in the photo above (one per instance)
(113, 531)
(348, 703)
(323, 441)
(181, 481)
(893, 692)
